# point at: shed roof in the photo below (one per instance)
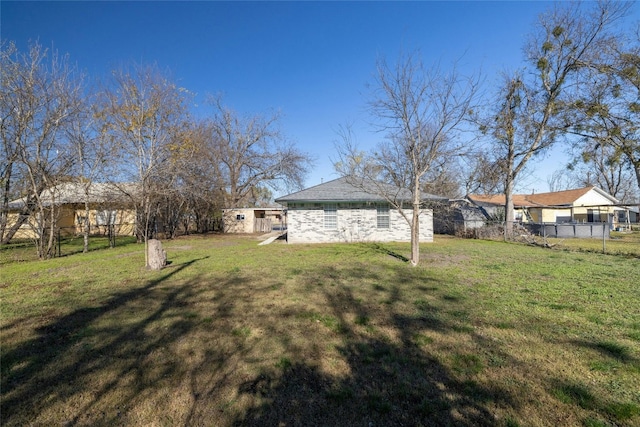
(341, 190)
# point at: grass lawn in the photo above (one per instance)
(232, 333)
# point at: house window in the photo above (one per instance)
(105, 217)
(383, 217)
(239, 217)
(330, 217)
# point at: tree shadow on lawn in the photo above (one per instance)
(176, 353)
(389, 382)
(60, 364)
(610, 349)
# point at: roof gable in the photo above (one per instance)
(596, 196)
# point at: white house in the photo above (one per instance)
(337, 211)
(581, 205)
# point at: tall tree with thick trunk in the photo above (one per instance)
(531, 107)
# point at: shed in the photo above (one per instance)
(252, 220)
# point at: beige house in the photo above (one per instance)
(582, 205)
(252, 220)
(108, 208)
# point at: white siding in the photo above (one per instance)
(306, 225)
(592, 198)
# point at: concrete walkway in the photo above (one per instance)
(273, 236)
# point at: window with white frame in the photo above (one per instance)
(330, 217)
(383, 217)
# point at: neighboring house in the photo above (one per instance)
(458, 217)
(108, 208)
(337, 211)
(629, 216)
(252, 220)
(582, 205)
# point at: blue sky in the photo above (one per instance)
(310, 61)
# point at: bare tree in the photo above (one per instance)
(41, 95)
(530, 116)
(250, 153)
(482, 175)
(518, 134)
(420, 112)
(11, 130)
(602, 165)
(198, 177)
(90, 152)
(562, 179)
(142, 110)
(445, 180)
(187, 182)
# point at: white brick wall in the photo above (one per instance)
(306, 225)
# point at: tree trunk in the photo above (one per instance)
(145, 236)
(415, 225)
(4, 215)
(39, 232)
(636, 168)
(23, 217)
(415, 235)
(52, 231)
(147, 220)
(509, 217)
(86, 226)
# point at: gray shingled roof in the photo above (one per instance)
(340, 190)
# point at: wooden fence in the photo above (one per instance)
(262, 225)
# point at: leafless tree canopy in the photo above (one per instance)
(419, 112)
(250, 154)
(41, 96)
(142, 111)
(135, 127)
